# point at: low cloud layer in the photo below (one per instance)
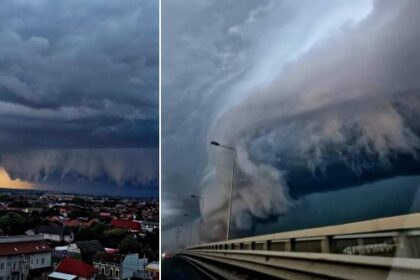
(120, 166)
(76, 79)
(327, 107)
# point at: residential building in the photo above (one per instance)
(149, 226)
(87, 249)
(21, 256)
(117, 266)
(105, 216)
(152, 270)
(56, 233)
(109, 266)
(135, 267)
(60, 252)
(77, 223)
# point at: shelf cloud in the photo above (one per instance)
(78, 85)
(313, 98)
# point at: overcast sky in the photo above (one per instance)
(314, 97)
(79, 94)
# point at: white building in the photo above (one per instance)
(109, 265)
(116, 266)
(20, 255)
(149, 226)
(133, 266)
(56, 233)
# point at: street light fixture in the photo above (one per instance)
(214, 143)
(191, 228)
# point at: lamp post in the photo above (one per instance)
(177, 232)
(201, 212)
(191, 228)
(214, 143)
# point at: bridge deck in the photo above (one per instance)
(387, 248)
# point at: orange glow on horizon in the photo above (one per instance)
(7, 182)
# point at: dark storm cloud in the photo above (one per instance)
(79, 75)
(118, 165)
(325, 92)
(201, 59)
(334, 119)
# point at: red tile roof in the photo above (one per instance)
(30, 247)
(76, 267)
(77, 223)
(125, 224)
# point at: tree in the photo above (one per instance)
(151, 255)
(82, 212)
(80, 201)
(48, 212)
(151, 239)
(130, 245)
(113, 237)
(13, 224)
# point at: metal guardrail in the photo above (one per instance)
(387, 248)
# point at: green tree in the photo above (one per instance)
(82, 212)
(151, 254)
(130, 245)
(13, 223)
(113, 237)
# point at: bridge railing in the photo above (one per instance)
(386, 248)
(392, 236)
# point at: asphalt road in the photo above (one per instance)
(179, 269)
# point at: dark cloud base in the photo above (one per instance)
(103, 187)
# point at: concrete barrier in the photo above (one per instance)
(386, 248)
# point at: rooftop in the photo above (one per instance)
(63, 276)
(153, 266)
(76, 267)
(89, 246)
(27, 247)
(109, 258)
(126, 224)
(51, 229)
(20, 238)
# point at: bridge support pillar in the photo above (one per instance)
(404, 249)
(289, 245)
(325, 245)
(267, 245)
